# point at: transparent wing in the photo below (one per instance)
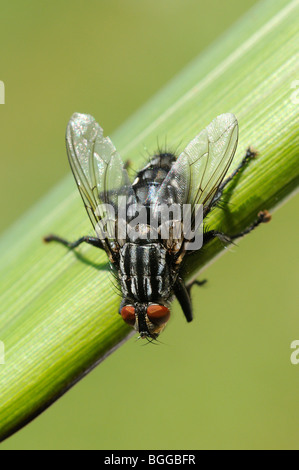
(201, 167)
(97, 167)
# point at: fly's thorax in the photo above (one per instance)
(145, 274)
(150, 178)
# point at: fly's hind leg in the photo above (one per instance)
(249, 155)
(90, 240)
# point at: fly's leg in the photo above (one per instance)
(182, 294)
(90, 240)
(249, 155)
(263, 217)
(195, 283)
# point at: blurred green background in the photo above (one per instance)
(224, 381)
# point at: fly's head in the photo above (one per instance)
(149, 319)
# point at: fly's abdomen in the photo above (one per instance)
(144, 274)
(150, 178)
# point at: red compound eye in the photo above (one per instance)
(158, 314)
(128, 314)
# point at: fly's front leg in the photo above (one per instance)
(182, 294)
(195, 283)
(263, 217)
(90, 240)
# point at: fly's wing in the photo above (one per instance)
(98, 171)
(199, 171)
(201, 167)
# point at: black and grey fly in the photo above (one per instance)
(149, 268)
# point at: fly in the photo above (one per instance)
(149, 266)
